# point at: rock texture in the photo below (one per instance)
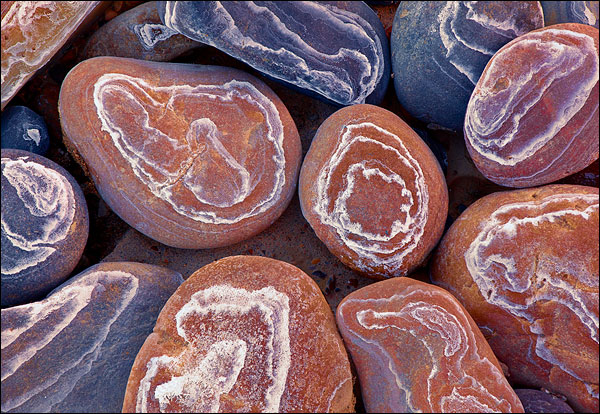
(585, 12)
(373, 191)
(524, 263)
(139, 34)
(536, 401)
(32, 32)
(73, 351)
(44, 226)
(440, 48)
(192, 156)
(243, 334)
(533, 116)
(416, 349)
(335, 49)
(25, 130)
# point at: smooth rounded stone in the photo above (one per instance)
(337, 50)
(73, 351)
(192, 156)
(373, 191)
(440, 48)
(536, 401)
(32, 33)
(524, 263)
(243, 334)
(44, 226)
(138, 33)
(585, 12)
(416, 349)
(25, 130)
(533, 116)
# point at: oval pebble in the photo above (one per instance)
(440, 48)
(243, 334)
(32, 33)
(533, 116)
(416, 349)
(336, 49)
(73, 351)
(373, 191)
(524, 263)
(192, 156)
(44, 226)
(138, 33)
(25, 130)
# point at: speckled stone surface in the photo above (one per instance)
(73, 351)
(539, 401)
(585, 12)
(25, 130)
(337, 50)
(44, 226)
(439, 50)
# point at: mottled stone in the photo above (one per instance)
(73, 351)
(536, 401)
(585, 12)
(138, 33)
(25, 130)
(192, 156)
(32, 32)
(335, 49)
(416, 349)
(44, 226)
(373, 191)
(524, 263)
(440, 48)
(533, 116)
(243, 334)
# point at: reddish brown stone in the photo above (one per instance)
(533, 116)
(373, 191)
(192, 156)
(524, 264)
(32, 32)
(243, 334)
(416, 349)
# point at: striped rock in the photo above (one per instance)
(416, 349)
(138, 33)
(335, 50)
(243, 334)
(32, 32)
(585, 12)
(524, 263)
(192, 156)
(373, 191)
(440, 48)
(72, 352)
(533, 116)
(44, 226)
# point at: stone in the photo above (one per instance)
(585, 12)
(416, 349)
(524, 263)
(337, 50)
(73, 351)
(192, 156)
(25, 130)
(138, 33)
(44, 226)
(440, 48)
(243, 334)
(536, 401)
(373, 192)
(533, 116)
(32, 33)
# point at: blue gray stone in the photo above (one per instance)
(337, 50)
(73, 351)
(25, 130)
(439, 50)
(584, 12)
